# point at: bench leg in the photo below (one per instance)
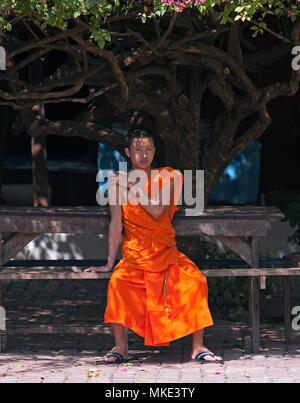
(3, 334)
(3, 341)
(254, 312)
(254, 286)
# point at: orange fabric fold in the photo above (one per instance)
(156, 290)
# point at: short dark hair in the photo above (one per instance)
(137, 134)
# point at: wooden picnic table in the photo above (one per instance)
(237, 227)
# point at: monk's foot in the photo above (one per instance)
(202, 349)
(117, 349)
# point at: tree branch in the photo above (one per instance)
(275, 34)
(117, 71)
(233, 65)
(40, 96)
(174, 86)
(87, 130)
(252, 134)
(166, 34)
(37, 44)
(234, 45)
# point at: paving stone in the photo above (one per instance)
(66, 357)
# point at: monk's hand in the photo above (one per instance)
(121, 178)
(117, 177)
(101, 269)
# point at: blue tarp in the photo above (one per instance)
(239, 183)
(108, 159)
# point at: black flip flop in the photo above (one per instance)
(119, 360)
(200, 358)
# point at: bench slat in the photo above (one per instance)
(23, 273)
(59, 273)
(279, 271)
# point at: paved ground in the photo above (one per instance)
(56, 354)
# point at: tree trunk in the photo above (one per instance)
(38, 144)
(4, 114)
(39, 170)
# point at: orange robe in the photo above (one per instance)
(155, 290)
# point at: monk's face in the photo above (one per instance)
(141, 153)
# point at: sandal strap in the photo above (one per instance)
(117, 355)
(203, 354)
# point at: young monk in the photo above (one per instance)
(154, 290)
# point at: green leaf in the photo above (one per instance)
(105, 34)
(76, 14)
(101, 43)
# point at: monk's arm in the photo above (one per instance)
(155, 207)
(115, 225)
(114, 229)
(114, 234)
(114, 239)
(160, 202)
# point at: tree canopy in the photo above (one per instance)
(57, 13)
(158, 62)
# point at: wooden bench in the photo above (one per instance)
(53, 270)
(239, 228)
